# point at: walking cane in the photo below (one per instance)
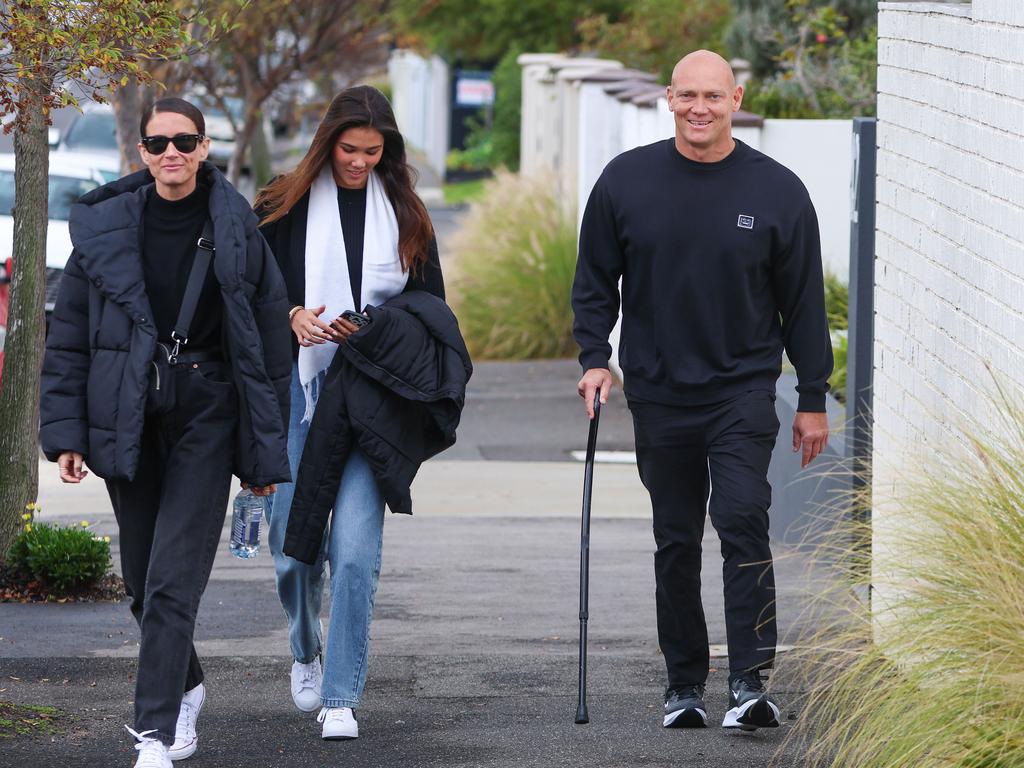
(588, 482)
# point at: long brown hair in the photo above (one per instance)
(361, 106)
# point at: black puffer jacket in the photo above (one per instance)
(397, 387)
(102, 336)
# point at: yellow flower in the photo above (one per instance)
(28, 527)
(85, 523)
(106, 539)
(31, 505)
(26, 516)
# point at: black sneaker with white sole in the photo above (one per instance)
(749, 705)
(685, 708)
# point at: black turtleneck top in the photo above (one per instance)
(352, 209)
(171, 229)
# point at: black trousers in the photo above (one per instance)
(683, 455)
(170, 518)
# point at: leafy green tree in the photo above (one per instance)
(497, 144)
(274, 42)
(49, 50)
(483, 31)
(761, 30)
(486, 33)
(508, 109)
(823, 72)
(654, 34)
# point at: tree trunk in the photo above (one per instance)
(19, 390)
(127, 102)
(243, 138)
(260, 162)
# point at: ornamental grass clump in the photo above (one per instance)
(63, 560)
(932, 672)
(513, 261)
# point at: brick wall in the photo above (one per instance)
(949, 292)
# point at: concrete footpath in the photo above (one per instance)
(474, 640)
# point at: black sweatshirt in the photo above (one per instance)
(721, 268)
(171, 229)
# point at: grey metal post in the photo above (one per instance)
(862, 302)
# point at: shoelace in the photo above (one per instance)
(145, 741)
(333, 713)
(143, 738)
(186, 717)
(309, 675)
(751, 683)
(687, 692)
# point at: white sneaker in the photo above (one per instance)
(152, 752)
(339, 723)
(185, 737)
(306, 681)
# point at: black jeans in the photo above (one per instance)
(170, 518)
(683, 454)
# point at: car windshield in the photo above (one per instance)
(93, 130)
(64, 191)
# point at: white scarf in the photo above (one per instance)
(327, 278)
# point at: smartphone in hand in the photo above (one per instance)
(357, 319)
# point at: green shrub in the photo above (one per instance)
(837, 381)
(514, 257)
(64, 560)
(837, 308)
(475, 157)
(495, 143)
(929, 672)
(837, 302)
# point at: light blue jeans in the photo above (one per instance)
(352, 546)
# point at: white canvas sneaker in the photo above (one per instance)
(185, 737)
(152, 752)
(339, 723)
(306, 681)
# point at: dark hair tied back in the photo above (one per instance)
(176, 105)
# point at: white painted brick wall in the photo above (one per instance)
(949, 278)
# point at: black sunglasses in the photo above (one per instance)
(183, 142)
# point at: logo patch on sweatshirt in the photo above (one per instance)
(745, 221)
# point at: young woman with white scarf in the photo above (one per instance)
(348, 231)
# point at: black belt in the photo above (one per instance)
(198, 357)
(185, 357)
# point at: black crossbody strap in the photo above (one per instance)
(196, 278)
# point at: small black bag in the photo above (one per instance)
(160, 394)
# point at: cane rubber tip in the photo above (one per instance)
(582, 718)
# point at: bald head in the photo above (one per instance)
(705, 65)
(702, 99)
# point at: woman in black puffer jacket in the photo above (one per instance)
(166, 431)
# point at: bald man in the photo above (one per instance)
(718, 252)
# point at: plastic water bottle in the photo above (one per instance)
(245, 524)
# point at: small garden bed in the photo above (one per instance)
(49, 563)
(14, 589)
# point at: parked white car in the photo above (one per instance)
(71, 176)
(92, 130)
